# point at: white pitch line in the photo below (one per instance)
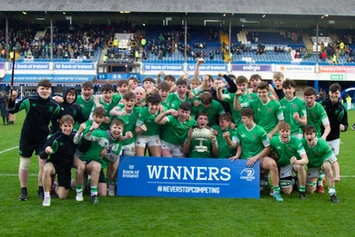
(13, 175)
(9, 149)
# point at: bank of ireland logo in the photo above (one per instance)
(247, 174)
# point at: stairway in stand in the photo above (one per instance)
(224, 38)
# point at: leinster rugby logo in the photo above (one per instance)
(247, 174)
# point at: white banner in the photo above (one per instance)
(295, 68)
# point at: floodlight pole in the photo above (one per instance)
(185, 48)
(51, 48)
(317, 32)
(230, 37)
(7, 36)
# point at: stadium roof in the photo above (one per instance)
(293, 7)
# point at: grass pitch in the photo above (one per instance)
(139, 216)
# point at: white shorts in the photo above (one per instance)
(287, 171)
(335, 145)
(314, 171)
(129, 149)
(175, 150)
(142, 141)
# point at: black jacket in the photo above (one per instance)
(39, 113)
(63, 149)
(72, 109)
(337, 115)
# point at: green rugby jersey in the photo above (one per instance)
(224, 150)
(286, 150)
(175, 131)
(252, 141)
(319, 153)
(213, 111)
(289, 107)
(147, 118)
(317, 116)
(229, 98)
(266, 115)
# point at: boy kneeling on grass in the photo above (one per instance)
(321, 157)
(60, 148)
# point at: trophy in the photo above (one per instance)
(201, 134)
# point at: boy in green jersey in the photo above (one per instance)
(254, 81)
(210, 106)
(164, 89)
(85, 99)
(321, 157)
(84, 146)
(268, 113)
(175, 99)
(226, 136)
(316, 114)
(243, 97)
(254, 145)
(147, 129)
(290, 156)
(103, 153)
(293, 108)
(201, 141)
(177, 124)
(121, 88)
(112, 152)
(107, 103)
(128, 114)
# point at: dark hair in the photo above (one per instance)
(181, 82)
(206, 98)
(288, 83)
(308, 91)
(334, 87)
(309, 129)
(210, 78)
(247, 112)
(87, 85)
(45, 83)
(66, 119)
(107, 87)
(256, 76)
(186, 106)
(129, 95)
(170, 78)
(122, 82)
(154, 98)
(149, 79)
